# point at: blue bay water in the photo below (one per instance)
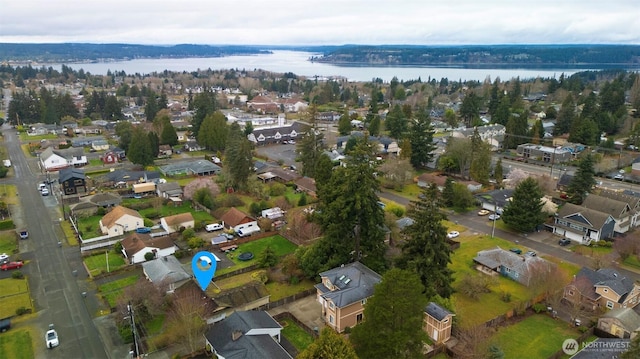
(297, 63)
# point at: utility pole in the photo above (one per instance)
(135, 353)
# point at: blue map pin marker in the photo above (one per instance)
(204, 267)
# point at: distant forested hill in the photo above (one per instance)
(68, 52)
(627, 56)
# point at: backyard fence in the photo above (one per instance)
(289, 299)
(287, 315)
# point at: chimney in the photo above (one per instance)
(235, 335)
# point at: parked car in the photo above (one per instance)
(619, 177)
(494, 217)
(453, 234)
(564, 242)
(51, 337)
(143, 230)
(516, 250)
(213, 227)
(11, 265)
(4, 257)
(483, 212)
(531, 254)
(23, 233)
(45, 192)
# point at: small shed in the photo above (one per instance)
(147, 187)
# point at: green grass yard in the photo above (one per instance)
(8, 241)
(17, 343)
(112, 290)
(280, 245)
(538, 335)
(97, 264)
(277, 290)
(296, 335)
(14, 294)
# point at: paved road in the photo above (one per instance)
(55, 289)
(541, 242)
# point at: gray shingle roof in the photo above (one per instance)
(437, 311)
(607, 205)
(195, 167)
(165, 270)
(354, 283)
(609, 278)
(627, 316)
(261, 346)
(583, 215)
(68, 173)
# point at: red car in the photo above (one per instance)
(11, 265)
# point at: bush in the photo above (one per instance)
(153, 214)
(268, 258)
(148, 223)
(396, 210)
(101, 211)
(277, 189)
(473, 286)
(233, 201)
(149, 256)
(506, 297)
(22, 310)
(17, 275)
(117, 247)
(3, 172)
(195, 242)
(188, 233)
(294, 280)
(8, 224)
(125, 333)
(539, 308)
(260, 276)
(303, 200)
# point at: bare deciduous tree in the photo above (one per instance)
(473, 342)
(186, 322)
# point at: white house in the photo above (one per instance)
(120, 220)
(174, 223)
(136, 246)
(52, 160)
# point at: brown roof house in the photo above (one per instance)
(174, 223)
(604, 288)
(234, 218)
(136, 245)
(307, 185)
(343, 293)
(120, 220)
(622, 323)
(437, 323)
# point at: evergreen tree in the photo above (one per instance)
(633, 350)
(151, 108)
(426, 251)
(238, 161)
(205, 103)
(583, 181)
(498, 172)
(393, 318)
(470, 108)
(330, 345)
(524, 211)
(374, 126)
(565, 116)
(350, 214)
(447, 193)
(396, 122)
(480, 160)
(310, 147)
(140, 150)
(169, 135)
(421, 138)
(124, 130)
(214, 132)
(344, 124)
(154, 143)
(503, 111)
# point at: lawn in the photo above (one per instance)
(632, 261)
(17, 343)
(8, 241)
(97, 264)
(277, 290)
(112, 290)
(8, 193)
(490, 305)
(14, 294)
(296, 335)
(26, 138)
(69, 233)
(591, 250)
(538, 335)
(170, 210)
(280, 245)
(90, 226)
(96, 162)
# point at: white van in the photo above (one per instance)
(214, 227)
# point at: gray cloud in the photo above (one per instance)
(321, 21)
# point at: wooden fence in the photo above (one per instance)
(287, 315)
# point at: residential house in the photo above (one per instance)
(166, 272)
(109, 158)
(246, 334)
(582, 224)
(164, 151)
(135, 246)
(545, 153)
(53, 160)
(306, 185)
(273, 213)
(491, 134)
(192, 167)
(236, 219)
(619, 210)
(386, 145)
(100, 145)
(427, 178)
(278, 174)
(277, 133)
(520, 268)
(169, 189)
(602, 288)
(83, 208)
(621, 322)
(631, 198)
(263, 104)
(496, 200)
(120, 220)
(438, 323)
(343, 292)
(72, 181)
(125, 178)
(173, 223)
(247, 297)
(192, 146)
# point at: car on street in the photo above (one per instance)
(51, 337)
(516, 250)
(4, 257)
(143, 230)
(618, 177)
(494, 217)
(564, 242)
(45, 192)
(11, 265)
(483, 212)
(531, 254)
(23, 233)
(453, 234)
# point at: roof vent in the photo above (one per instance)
(235, 335)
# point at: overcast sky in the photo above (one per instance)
(321, 22)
